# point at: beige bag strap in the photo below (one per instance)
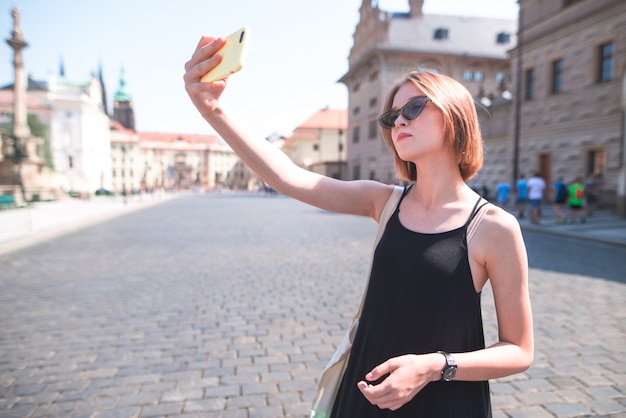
(331, 376)
(388, 210)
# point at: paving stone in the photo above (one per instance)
(568, 410)
(187, 313)
(528, 412)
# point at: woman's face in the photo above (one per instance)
(421, 137)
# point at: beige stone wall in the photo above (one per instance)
(559, 130)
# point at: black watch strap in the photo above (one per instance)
(449, 371)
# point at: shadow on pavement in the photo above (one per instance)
(575, 256)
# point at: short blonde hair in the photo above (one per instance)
(461, 127)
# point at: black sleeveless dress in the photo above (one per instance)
(420, 299)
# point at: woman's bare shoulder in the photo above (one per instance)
(497, 224)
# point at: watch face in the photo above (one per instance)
(449, 373)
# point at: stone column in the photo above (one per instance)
(17, 43)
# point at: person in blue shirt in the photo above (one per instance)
(502, 191)
(560, 197)
(522, 196)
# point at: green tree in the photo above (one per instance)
(37, 129)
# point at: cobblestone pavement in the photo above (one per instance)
(230, 306)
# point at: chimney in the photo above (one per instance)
(415, 8)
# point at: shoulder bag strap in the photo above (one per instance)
(388, 210)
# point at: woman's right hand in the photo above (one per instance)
(205, 96)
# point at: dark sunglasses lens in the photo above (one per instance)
(412, 110)
(409, 111)
(387, 119)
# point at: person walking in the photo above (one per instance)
(521, 188)
(576, 192)
(536, 186)
(502, 191)
(419, 345)
(560, 199)
(593, 187)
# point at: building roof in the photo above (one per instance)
(32, 85)
(326, 119)
(32, 102)
(454, 35)
(170, 138)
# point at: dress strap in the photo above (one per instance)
(475, 218)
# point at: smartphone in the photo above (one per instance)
(233, 55)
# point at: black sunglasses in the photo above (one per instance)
(409, 111)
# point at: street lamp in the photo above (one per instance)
(518, 100)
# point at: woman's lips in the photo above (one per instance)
(402, 136)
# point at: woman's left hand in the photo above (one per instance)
(407, 375)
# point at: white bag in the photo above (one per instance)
(333, 373)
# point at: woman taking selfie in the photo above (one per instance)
(419, 349)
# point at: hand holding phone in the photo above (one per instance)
(233, 55)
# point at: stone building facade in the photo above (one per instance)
(569, 121)
(144, 161)
(388, 45)
(318, 144)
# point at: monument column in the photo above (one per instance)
(17, 43)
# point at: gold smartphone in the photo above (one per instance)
(233, 55)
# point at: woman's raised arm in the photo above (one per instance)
(361, 197)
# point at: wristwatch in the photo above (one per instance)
(449, 371)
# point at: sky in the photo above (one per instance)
(298, 51)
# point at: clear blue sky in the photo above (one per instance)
(298, 51)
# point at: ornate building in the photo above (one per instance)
(554, 104)
(148, 160)
(388, 45)
(567, 116)
(318, 144)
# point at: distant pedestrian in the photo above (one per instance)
(521, 189)
(560, 199)
(502, 192)
(593, 186)
(576, 192)
(536, 186)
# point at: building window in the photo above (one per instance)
(596, 161)
(469, 75)
(373, 75)
(503, 38)
(441, 34)
(373, 102)
(70, 162)
(373, 129)
(606, 61)
(356, 171)
(356, 110)
(355, 135)
(316, 147)
(500, 77)
(557, 76)
(570, 2)
(529, 78)
(356, 87)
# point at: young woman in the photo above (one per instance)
(419, 348)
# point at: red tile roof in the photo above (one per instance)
(174, 137)
(327, 119)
